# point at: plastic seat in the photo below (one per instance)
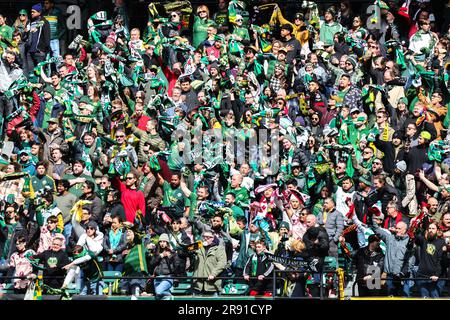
(235, 289)
(183, 288)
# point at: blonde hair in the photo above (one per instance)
(205, 8)
(298, 245)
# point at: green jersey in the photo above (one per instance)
(174, 198)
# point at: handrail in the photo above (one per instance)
(392, 278)
(193, 278)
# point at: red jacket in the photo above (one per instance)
(34, 109)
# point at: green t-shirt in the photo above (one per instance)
(77, 189)
(40, 184)
(174, 198)
(241, 195)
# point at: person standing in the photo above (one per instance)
(259, 266)
(38, 44)
(396, 251)
(370, 256)
(57, 28)
(333, 222)
(431, 253)
(211, 261)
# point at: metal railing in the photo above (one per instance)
(275, 277)
(396, 279)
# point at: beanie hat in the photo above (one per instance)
(85, 99)
(50, 90)
(397, 135)
(92, 224)
(331, 10)
(401, 165)
(426, 135)
(284, 224)
(37, 7)
(352, 60)
(366, 180)
(403, 99)
(164, 237)
(111, 38)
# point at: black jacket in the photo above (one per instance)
(365, 258)
(416, 157)
(165, 266)
(385, 194)
(317, 250)
(263, 266)
(120, 247)
(42, 37)
(389, 153)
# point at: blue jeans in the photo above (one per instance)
(67, 232)
(114, 267)
(395, 287)
(92, 287)
(54, 46)
(163, 286)
(428, 288)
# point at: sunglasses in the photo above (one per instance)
(129, 178)
(377, 163)
(201, 12)
(120, 136)
(174, 15)
(367, 152)
(90, 228)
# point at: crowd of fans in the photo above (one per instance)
(334, 147)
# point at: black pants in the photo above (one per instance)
(260, 286)
(32, 60)
(300, 288)
(6, 108)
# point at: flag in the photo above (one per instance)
(38, 288)
(404, 9)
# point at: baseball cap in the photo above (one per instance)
(53, 120)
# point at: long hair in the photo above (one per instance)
(205, 8)
(17, 23)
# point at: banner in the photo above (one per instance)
(300, 265)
